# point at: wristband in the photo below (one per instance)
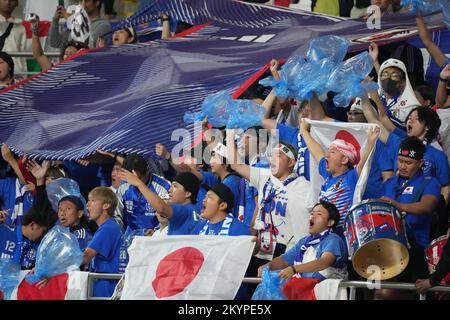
(165, 19)
(293, 269)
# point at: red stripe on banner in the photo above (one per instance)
(300, 289)
(239, 91)
(190, 30)
(44, 27)
(55, 289)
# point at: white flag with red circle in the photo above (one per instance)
(186, 267)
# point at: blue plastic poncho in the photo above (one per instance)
(346, 79)
(271, 286)
(62, 187)
(59, 252)
(9, 277)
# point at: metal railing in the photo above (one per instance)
(352, 285)
(19, 54)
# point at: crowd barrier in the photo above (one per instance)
(352, 285)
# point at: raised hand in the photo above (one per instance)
(37, 170)
(274, 64)
(374, 51)
(373, 134)
(129, 177)
(161, 151)
(6, 153)
(445, 73)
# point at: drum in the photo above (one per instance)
(433, 253)
(376, 239)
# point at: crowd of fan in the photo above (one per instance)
(259, 195)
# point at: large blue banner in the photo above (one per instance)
(128, 98)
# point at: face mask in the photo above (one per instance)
(390, 86)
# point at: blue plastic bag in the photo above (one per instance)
(422, 7)
(288, 73)
(9, 277)
(327, 47)
(313, 78)
(245, 114)
(63, 187)
(127, 239)
(59, 252)
(346, 79)
(216, 107)
(271, 286)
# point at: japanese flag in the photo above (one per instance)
(65, 286)
(356, 133)
(186, 267)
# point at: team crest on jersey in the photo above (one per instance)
(31, 255)
(408, 190)
(129, 206)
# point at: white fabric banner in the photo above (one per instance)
(186, 267)
(325, 133)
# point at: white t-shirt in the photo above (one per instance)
(290, 207)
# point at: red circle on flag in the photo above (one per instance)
(176, 271)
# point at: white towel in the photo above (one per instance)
(329, 289)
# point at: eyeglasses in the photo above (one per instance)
(354, 113)
(393, 75)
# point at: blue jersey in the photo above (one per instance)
(11, 194)
(436, 162)
(106, 242)
(338, 190)
(184, 219)
(403, 191)
(13, 245)
(232, 181)
(84, 236)
(380, 162)
(249, 204)
(137, 213)
(237, 228)
(292, 136)
(332, 244)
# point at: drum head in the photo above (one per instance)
(390, 256)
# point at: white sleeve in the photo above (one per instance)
(119, 214)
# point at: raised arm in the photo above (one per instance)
(371, 117)
(313, 146)
(9, 157)
(441, 93)
(436, 53)
(374, 52)
(38, 52)
(372, 137)
(154, 200)
(165, 22)
(241, 168)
